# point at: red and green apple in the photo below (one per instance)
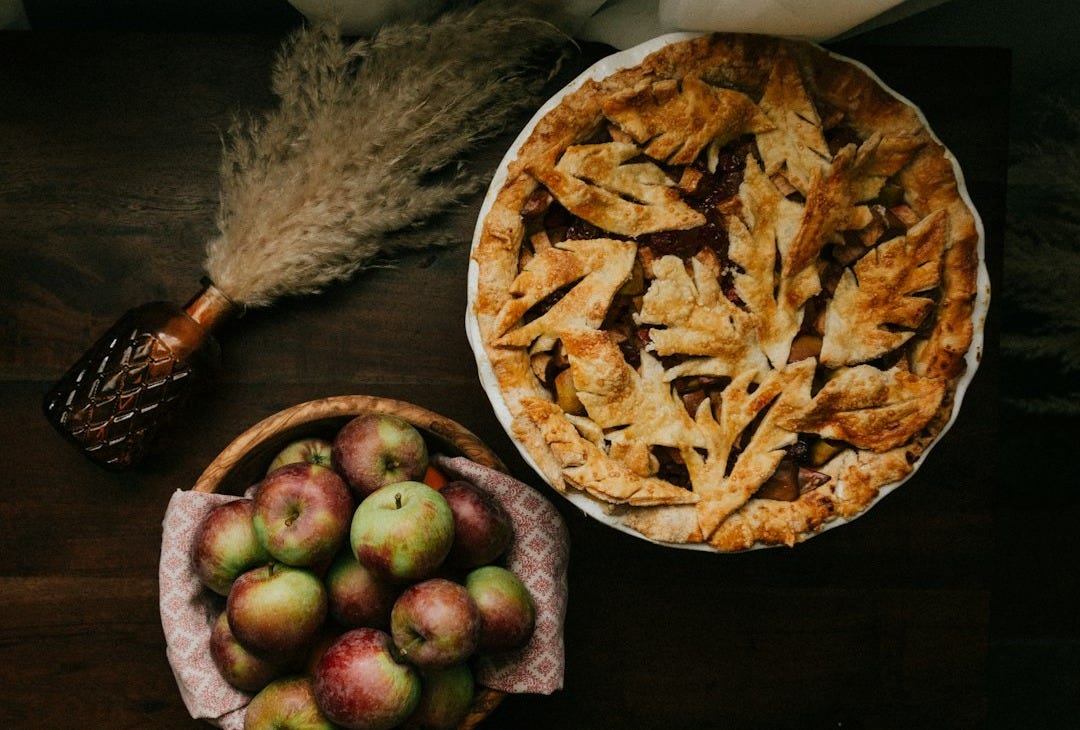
(225, 545)
(376, 449)
(360, 683)
(507, 610)
(302, 514)
(402, 532)
(276, 611)
(435, 623)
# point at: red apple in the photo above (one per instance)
(304, 451)
(482, 527)
(402, 532)
(359, 682)
(238, 666)
(286, 704)
(302, 514)
(276, 611)
(358, 597)
(225, 545)
(330, 633)
(445, 699)
(507, 611)
(376, 449)
(435, 623)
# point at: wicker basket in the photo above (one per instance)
(243, 462)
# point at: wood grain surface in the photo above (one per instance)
(109, 145)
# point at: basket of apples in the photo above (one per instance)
(360, 562)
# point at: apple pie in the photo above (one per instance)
(728, 292)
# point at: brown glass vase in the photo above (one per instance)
(113, 403)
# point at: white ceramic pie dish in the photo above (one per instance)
(603, 68)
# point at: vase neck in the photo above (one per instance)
(210, 306)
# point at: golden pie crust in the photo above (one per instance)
(820, 332)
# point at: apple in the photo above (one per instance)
(330, 633)
(276, 611)
(238, 666)
(358, 597)
(359, 682)
(507, 611)
(311, 450)
(286, 704)
(402, 532)
(482, 527)
(445, 699)
(435, 623)
(225, 545)
(376, 449)
(302, 514)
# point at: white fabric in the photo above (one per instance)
(625, 23)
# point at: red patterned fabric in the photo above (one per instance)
(539, 555)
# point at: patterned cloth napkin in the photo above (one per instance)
(539, 555)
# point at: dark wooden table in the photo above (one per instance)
(109, 145)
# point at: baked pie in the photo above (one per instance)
(728, 292)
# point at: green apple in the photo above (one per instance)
(286, 704)
(312, 450)
(402, 532)
(507, 610)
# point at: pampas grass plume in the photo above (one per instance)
(368, 142)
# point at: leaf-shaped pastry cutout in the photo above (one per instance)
(674, 120)
(828, 209)
(605, 383)
(668, 423)
(783, 392)
(691, 316)
(599, 266)
(879, 158)
(796, 146)
(588, 468)
(876, 306)
(615, 394)
(836, 196)
(597, 183)
(832, 205)
(762, 233)
(870, 408)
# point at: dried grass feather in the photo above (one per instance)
(368, 143)
(1041, 328)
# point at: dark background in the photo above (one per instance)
(1033, 676)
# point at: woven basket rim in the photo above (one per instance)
(344, 407)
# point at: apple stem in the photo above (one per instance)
(397, 500)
